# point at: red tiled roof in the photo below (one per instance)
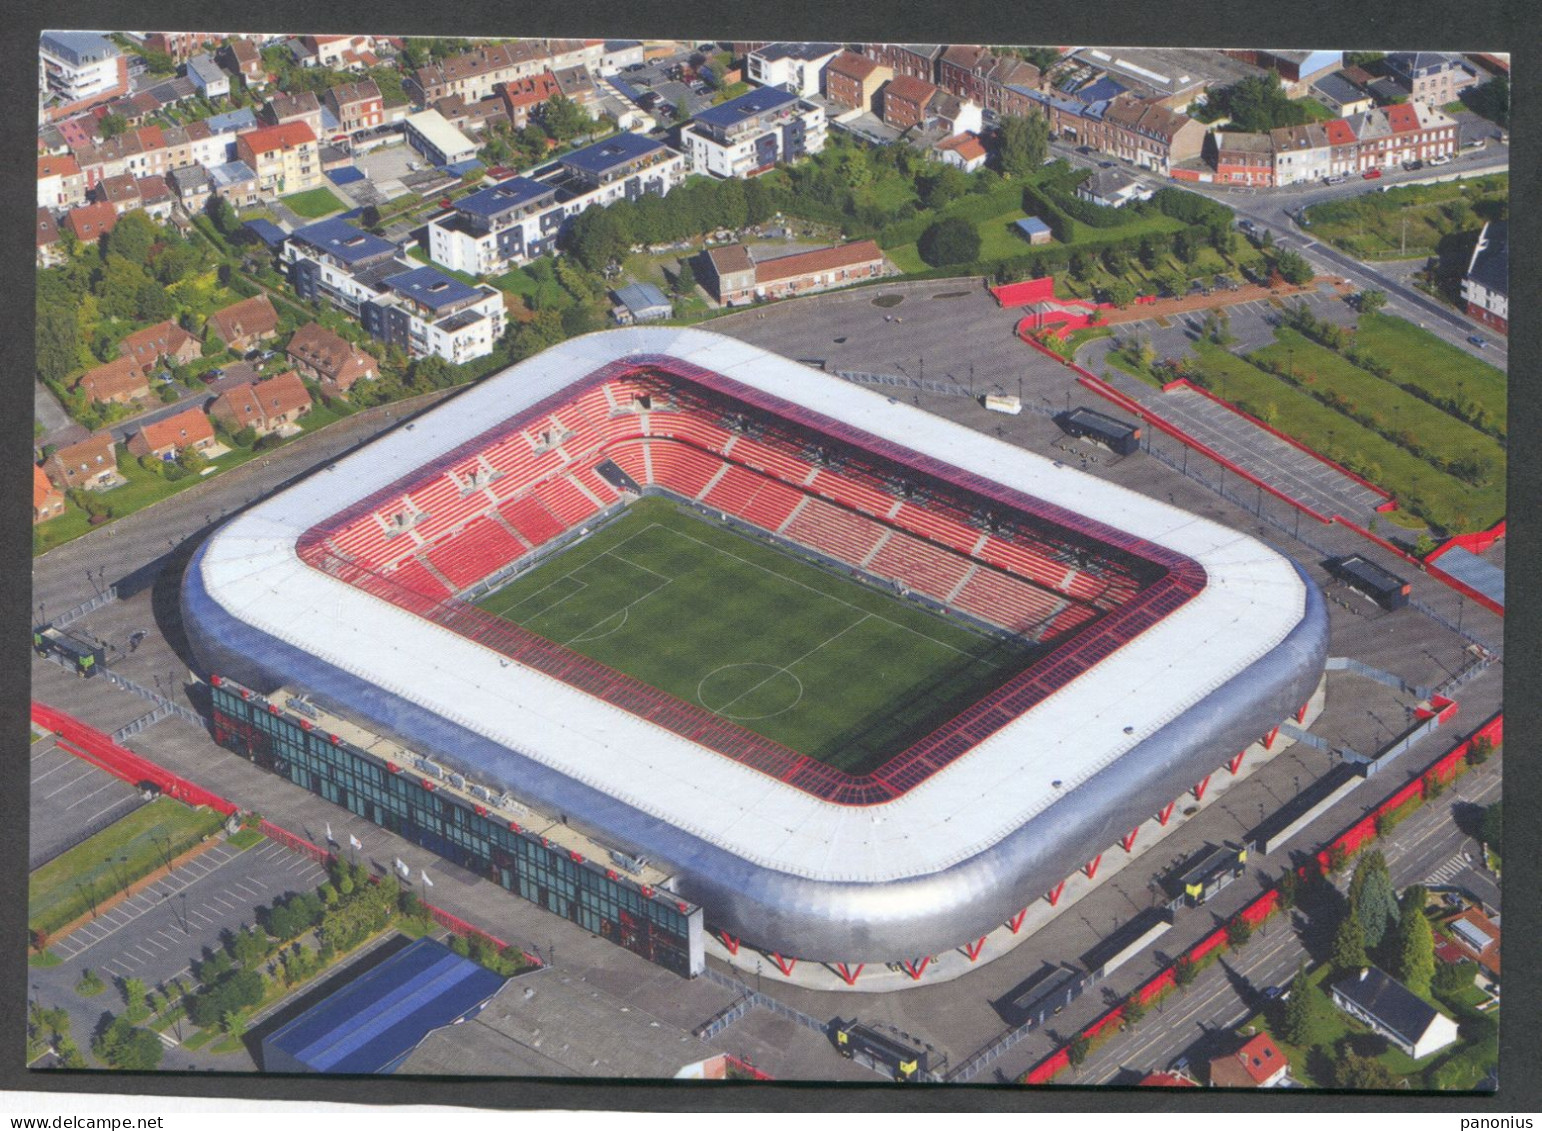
(149, 345)
(240, 319)
(821, 259)
(1250, 1066)
(65, 166)
(117, 377)
(286, 136)
(41, 488)
(1339, 132)
(47, 228)
(1403, 118)
(852, 65)
(177, 431)
(92, 220)
(1167, 1080)
(734, 257)
(908, 88)
(528, 92)
(281, 394)
(966, 145)
(96, 448)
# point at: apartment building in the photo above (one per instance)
(749, 134)
(285, 158)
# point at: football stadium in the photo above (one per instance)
(807, 667)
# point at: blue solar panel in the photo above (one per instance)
(432, 288)
(343, 240)
(372, 1023)
(267, 231)
(605, 155)
(501, 197)
(347, 175)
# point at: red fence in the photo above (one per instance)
(1478, 543)
(1349, 842)
(93, 746)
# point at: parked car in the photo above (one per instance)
(210, 376)
(1336, 179)
(1245, 225)
(1479, 144)
(1413, 165)
(1273, 993)
(1370, 174)
(1443, 159)
(1477, 341)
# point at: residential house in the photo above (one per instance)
(1477, 937)
(1385, 138)
(180, 45)
(577, 87)
(905, 100)
(122, 192)
(166, 439)
(356, 105)
(1486, 285)
(335, 52)
(77, 69)
(1394, 1011)
(472, 117)
(161, 342)
(235, 182)
(733, 277)
(1151, 136)
(47, 500)
(1301, 154)
(639, 302)
(618, 55)
(192, 187)
(119, 381)
(797, 67)
(961, 150)
(207, 77)
(91, 464)
(565, 54)
(918, 60)
(90, 222)
(476, 73)
(1243, 159)
(1259, 1063)
(241, 57)
(283, 108)
(1110, 188)
(522, 97)
(747, 135)
(243, 325)
(60, 183)
(1341, 95)
(267, 406)
(330, 358)
(49, 250)
(980, 76)
(439, 142)
(285, 158)
(948, 114)
(854, 80)
(1433, 77)
(156, 197)
(1297, 70)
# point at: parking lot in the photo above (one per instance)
(71, 800)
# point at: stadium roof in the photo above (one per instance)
(1252, 601)
(375, 1021)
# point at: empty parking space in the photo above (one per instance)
(71, 800)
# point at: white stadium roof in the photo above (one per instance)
(1252, 600)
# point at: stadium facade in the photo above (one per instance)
(1169, 643)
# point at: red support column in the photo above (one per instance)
(1053, 895)
(917, 968)
(1129, 841)
(1234, 765)
(972, 950)
(1270, 737)
(1301, 714)
(1016, 922)
(730, 942)
(1166, 814)
(785, 965)
(1199, 790)
(1092, 866)
(848, 975)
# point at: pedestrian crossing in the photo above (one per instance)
(1449, 869)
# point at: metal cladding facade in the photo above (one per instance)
(945, 892)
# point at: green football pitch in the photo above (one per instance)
(823, 664)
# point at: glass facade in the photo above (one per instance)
(396, 799)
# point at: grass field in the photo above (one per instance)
(1417, 357)
(1408, 221)
(827, 666)
(313, 203)
(95, 869)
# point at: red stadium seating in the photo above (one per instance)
(830, 530)
(484, 547)
(862, 496)
(682, 468)
(1023, 561)
(1004, 600)
(765, 457)
(562, 497)
(534, 522)
(920, 565)
(414, 575)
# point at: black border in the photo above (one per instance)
(1379, 24)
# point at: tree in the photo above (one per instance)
(1479, 750)
(1287, 889)
(941, 185)
(1185, 970)
(121, 280)
(1348, 952)
(685, 279)
(949, 241)
(134, 1000)
(1491, 831)
(1374, 898)
(1134, 1010)
(57, 341)
(1293, 268)
(1414, 952)
(249, 947)
(111, 125)
(1185, 247)
(1024, 144)
(599, 237)
(1351, 1070)
(152, 303)
(1121, 292)
(89, 983)
(1077, 1050)
(224, 215)
(132, 237)
(120, 1045)
(565, 119)
(1301, 1009)
(1239, 932)
(1370, 301)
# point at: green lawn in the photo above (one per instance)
(314, 203)
(1417, 357)
(1408, 221)
(1294, 412)
(63, 889)
(824, 665)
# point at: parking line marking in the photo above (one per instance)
(67, 785)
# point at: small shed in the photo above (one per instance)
(268, 232)
(640, 302)
(1034, 230)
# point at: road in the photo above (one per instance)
(1428, 846)
(1277, 210)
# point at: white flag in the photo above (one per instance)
(426, 880)
(353, 840)
(330, 838)
(401, 866)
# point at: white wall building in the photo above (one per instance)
(753, 132)
(798, 67)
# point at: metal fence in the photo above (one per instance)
(106, 597)
(169, 706)
(1386, 679)
(750, 1000)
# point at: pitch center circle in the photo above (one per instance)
(747, 692)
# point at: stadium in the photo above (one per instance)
(855, 682)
